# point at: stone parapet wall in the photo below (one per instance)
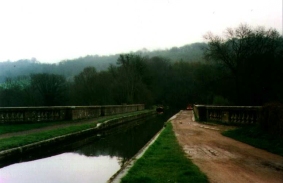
(61, 113)
(228, 114)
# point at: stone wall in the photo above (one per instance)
(228, 114)
(61, 113)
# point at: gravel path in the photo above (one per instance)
(223, 159)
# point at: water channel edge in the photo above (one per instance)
(116, 178)
(18, 151)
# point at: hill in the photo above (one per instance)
(72, 67)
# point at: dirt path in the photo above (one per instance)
(223, 159)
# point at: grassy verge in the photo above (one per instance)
(6, 128)
(17, 141)
(254, 136)
(164, 161)
(11, 128)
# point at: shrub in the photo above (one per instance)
(219, 100)
(272, 118)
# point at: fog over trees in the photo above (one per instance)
(70, 68)
(241, 67)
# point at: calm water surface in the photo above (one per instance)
(66, 167)
(93, 162)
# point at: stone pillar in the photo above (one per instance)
(69, 113)
(202, 112)
(102, 112)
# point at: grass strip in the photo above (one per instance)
(164, 161)
(256, 137)
(16, 141)
(12, 128)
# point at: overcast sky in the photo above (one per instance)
(54, 30)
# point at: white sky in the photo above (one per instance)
(54, 30)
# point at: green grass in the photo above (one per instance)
(256, 137)
(12, 128)
(164, 161)
(6, 128)
(16, 141)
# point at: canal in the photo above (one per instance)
(94, 159)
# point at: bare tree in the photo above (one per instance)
(248, 54)
(50, 87)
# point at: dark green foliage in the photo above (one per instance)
(220, 101)
(252, 56)
(12, 128)
(246, 70)
(49, 89)
(257, 137)
(34, 90)
(72, 67)
(91, 88)
(158, 79)
(272, 119)
(15, 92)
(130, 83)
(164, 161)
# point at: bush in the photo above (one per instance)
(272, 118)
(219, 100)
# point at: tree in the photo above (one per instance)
(92, 88)
(49, 88)
(130, 79)
(16, 92)
(84, 88)
(251, 56)
(159, 79)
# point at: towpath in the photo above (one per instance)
(223, 159)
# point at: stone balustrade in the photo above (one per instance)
(228, 114)
(60, 113)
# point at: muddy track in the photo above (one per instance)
(223, 159)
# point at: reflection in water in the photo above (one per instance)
(94, 162)
(63, 168)
(124, 142)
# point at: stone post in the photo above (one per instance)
(202, 112)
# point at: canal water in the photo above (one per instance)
(94, 161)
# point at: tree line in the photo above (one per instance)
(72, 67)
(241, 68)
